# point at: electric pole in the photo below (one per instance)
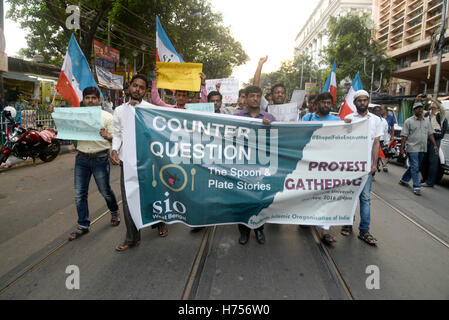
(440, 50)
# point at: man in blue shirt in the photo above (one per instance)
(253, 110)
(390, 121)
(323, 104)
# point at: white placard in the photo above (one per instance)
(284, 112)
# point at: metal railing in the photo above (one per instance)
(37, 118)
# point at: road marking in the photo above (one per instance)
(436, 238)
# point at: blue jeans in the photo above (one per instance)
(415, 159)
(365, 205)
(84, 169)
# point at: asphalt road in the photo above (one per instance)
(38, 213)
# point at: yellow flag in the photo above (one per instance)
(179, 75)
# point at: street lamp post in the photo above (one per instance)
(135, 54)
(125, 62)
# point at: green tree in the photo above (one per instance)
(195, 30)
(290, 74)
(351, 45)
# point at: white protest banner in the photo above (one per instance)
(247, 172)
(78, 123)
(298, 96)
(287, 112)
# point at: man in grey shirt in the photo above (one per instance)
(415, 133)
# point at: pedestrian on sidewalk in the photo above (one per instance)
(361, 101)
(415, 133)
(93, 159)
(137, 89)
(429, 166)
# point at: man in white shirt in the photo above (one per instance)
(384, 139)
(137, 89)
(361, 101)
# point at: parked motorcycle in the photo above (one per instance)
(394, 151)
(24, 143)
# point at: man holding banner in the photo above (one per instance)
(361, 101)
(324, 103)
(137, 89)
(253, 100)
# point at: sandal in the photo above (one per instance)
(328, 238)
(346, 230)
(123, 247)
(368, 238)
(162, 229)
(115, 219)
(78, 233)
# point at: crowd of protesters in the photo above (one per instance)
(421, 138)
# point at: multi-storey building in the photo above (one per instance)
(312, 38)
(406, 28)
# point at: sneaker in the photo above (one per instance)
(385, 169)
(417, 192)
(426, 185)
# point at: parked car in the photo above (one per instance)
(444, 148)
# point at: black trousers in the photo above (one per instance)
(245, 230)
(132, 234)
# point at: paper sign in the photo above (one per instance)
(211, 84)
(229, 88)
(298, 97)
(204, 107)
(78, 123)
(179, 76)
(284, 112)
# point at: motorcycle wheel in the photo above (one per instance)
(3, 157)
(51, 151)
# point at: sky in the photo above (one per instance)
(263, 27)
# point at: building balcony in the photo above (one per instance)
(435, 4)
(383, 38)
(399, 6)
(419, 3)
(413, 37)
(382, 28)
(414, 25)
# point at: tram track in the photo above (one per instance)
(206, 246)
(34, 265)
(411, 220)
